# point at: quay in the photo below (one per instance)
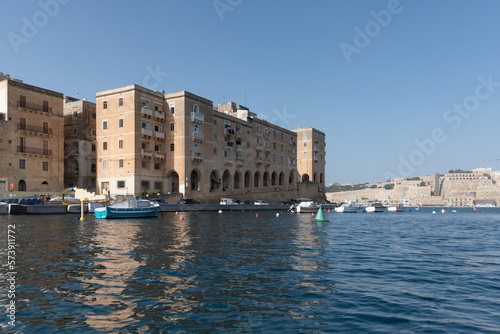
(63, 209)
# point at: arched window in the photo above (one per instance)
(21, 186)
(196, 128)
(195, 108)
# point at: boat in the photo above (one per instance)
(92, 206)
(127, 206)
(375, 208)
(77, 208)
(17, 209)
(305, 207)
(396, 208)
(347, 208)
(72, 200)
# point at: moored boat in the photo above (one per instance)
(396, 208)
(347, 208)
(375, 208)
(307, 207)
(127, 206)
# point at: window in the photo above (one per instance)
(227, 124)
(158, 185)
(120, 143)
(172, 108)
(305, 134)
(92, 168)
(158, 128)
(215, 122)
(22, 164)
(145, 164)
(120, 163)
(94, 132)
(282, 135)
(305, 154)
(94, 115)
(105, 145)
(105, 125)
(120, 102)
(120, 123)
(248, 132)
(45, 106)
(215, 151)
(281, 147)
(145, 103)
(105, 164)
(172, 147)
(74, 131)
(145, 125)
(274, 145)
(157, 148)
(93, 147)
(305, 144)
(105, 105)
(144, 185)
(157, 166)
(195, 108)
(22, 101)
(172, 127)
(281, 159)
(215, 136)
(45, 166)
(120, 184)
(274, 157)
(196, 128)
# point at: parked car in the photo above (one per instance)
(188, 201)
(227, 201)
(246, 202)
(260, 202)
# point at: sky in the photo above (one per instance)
(401, 88)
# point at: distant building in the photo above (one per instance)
(150, 142)
(311, 155)
(31, 137)
(80, 144)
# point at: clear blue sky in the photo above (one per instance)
(396, 84)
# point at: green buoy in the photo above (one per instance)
(319, 216)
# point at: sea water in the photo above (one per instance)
(409, 272)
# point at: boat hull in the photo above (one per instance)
(112, 213)
(346, 209)
(396, 209)
(374, 209)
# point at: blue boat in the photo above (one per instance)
(127, 206)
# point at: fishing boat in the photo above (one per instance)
(347, 208)
(127, 206)
(304, 207)
(375, 208)
(396, 208)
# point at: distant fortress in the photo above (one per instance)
(478, 187)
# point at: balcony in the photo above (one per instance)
(145, 111)
(240, 162)
(316, 140)
(36, 108)
(228, 161)
(316, 157)
(267, 162)
(239, 148)
(267, 149)
(197, 136)
(258, 147)
(159, 135)
(34, 151)
(159, 114)
(35, 130)
(147, 153)
(197, 117)
(258, 161)
(146, 132)
(239, 135)
(292, 143)
(316, 148)
(196, 156)
(159, 155)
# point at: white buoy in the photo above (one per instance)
(220, 211)
(277, 214)
(433, 212)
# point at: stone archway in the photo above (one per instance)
(215, 181)
(236, 180)
(248, 179)
(173, 182)
(256, 180)
(194, 180)
(226, 180)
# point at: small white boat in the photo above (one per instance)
(375, 208)
(127, 206)
(347, 208)
(307, 207)
(396, 208)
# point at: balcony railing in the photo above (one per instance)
(240, 162)
(196, 156)
(146, 132)
(197, 117)
(159, 135)
(34, 150)
(34, 107)
(197, 135)
(146, 153)
(146, 111)
(159, 155)
(33, 128)
(159, 114)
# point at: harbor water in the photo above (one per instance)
(408, 272)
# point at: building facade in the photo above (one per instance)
(80, 144)
(31, 137)
(311, 155)
(149, 142)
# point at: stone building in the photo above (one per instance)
(311, 155)
(31, 137)
(79, 144)
(149, 142)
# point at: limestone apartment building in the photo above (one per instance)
(80, 149)
(31, 137)
(152, 142)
